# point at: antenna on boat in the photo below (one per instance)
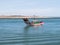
(34, 17)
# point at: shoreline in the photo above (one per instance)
(26, 17)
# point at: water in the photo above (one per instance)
(15, 32)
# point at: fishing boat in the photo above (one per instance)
(36, 23)
(33, 23)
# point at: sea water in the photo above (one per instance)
(16, 32)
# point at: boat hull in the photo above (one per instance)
(37, 24)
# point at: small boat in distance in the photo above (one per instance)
(33, 23)
(36, 23)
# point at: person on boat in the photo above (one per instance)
(26, 21)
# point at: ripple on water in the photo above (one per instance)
(31, 39)
(12, 33)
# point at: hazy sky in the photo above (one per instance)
(30, 7)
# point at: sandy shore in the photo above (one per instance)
(23, 17)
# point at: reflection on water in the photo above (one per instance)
(26, 36)
(36, 27)
(29, 36)
(27, 27)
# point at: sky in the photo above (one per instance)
(30, 7)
